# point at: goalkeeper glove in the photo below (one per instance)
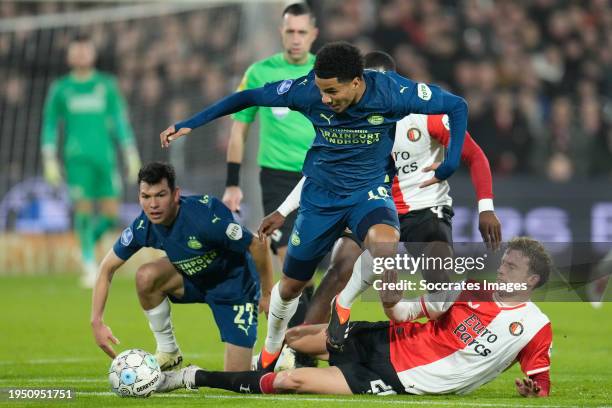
(132, 161)
(51, 168)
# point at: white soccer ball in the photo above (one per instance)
(134, 373)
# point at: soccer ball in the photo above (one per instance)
(134, 373)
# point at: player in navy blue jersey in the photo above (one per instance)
(209, 259)
(348, 168)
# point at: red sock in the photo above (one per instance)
(266, 383)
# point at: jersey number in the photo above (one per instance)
(239, 321)
(379, 387)
(382, 194)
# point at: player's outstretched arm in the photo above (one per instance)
(482, 180)
(264, 96)
(259, 249)
(404, 311)
(102, 333)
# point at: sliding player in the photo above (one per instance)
(469, 339)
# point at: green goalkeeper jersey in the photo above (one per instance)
(284, 135)
(93, 116)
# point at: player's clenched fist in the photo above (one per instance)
(171, 134)
(104, 337)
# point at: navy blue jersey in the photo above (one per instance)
(352, 150)
(204, 243)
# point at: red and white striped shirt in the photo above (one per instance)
(420, 140)
(468, 341)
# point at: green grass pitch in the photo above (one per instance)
(47, 343)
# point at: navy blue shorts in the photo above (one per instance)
(236, 319)
(323, 217)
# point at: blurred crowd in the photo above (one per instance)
(537, 74)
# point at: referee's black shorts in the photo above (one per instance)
(275, 187)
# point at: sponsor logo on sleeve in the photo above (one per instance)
(280, 112)
(284, 86)
(423, 91)
(445, 122)
(127, 236)
(234, 231)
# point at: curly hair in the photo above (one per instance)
(339, 60)
(540, 262)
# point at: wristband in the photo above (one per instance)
(233, 174)
(485, 204)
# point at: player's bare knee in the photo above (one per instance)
(290, 288)
(381, 240)
(146, 278)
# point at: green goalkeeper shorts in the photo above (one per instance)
(88, 180)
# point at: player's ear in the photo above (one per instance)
(533, 280)
(315, 33)
(176, 194)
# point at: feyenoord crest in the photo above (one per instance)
(414, 134)
(516, 328)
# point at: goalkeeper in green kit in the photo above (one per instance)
(88, 106)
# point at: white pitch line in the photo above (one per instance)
(415, 400)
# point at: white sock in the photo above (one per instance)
(161, 325)
(362, 278)
(281, 311)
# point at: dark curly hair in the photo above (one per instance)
(540, 262)
(339, 60)
(155, 172)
